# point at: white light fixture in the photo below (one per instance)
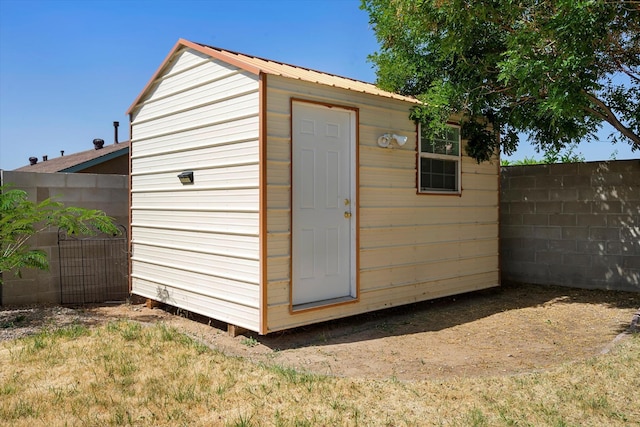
(401, 140)
(384, 141)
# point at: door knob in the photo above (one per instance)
(347, 214)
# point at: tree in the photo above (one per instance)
(20, 219)
(551, 156)
(555, 70)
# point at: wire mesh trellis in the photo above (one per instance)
(93, 269)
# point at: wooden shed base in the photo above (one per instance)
(234, 330)
(151, 303)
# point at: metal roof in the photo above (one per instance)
(257, 65)
(277, 68)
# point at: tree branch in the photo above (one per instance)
(628, 72)
(607, 115)
(596, 113)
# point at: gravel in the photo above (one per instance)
(18, 322)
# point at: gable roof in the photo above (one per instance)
(257, 65)
(79, 161)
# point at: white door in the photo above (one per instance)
(323, 230)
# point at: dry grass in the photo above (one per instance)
(127, 374)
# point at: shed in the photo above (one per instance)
(271, 196)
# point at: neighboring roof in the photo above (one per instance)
(256, 65)
(79, 161)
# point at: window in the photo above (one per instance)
(439, 162)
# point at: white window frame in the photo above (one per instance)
(448, 157)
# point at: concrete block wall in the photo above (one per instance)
(573, 224)
(109, 193)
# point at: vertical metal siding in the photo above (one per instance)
(196, 246)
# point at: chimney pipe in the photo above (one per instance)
(33, 160)
(115, 131)
(61, 153)
(98, 143)
(45, 158)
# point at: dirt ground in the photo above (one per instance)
(506, 330)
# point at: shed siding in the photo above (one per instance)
(197, 246)
(412, 247)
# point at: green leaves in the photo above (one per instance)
(81, 221)
(554, 70)
(481, 142)
(21, 218)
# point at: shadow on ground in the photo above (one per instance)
(444, 313)
(429, 316)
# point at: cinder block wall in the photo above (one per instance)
(573, 224)
(108, 193)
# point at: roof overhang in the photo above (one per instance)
(257, 66)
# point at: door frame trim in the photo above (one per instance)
(355, 231)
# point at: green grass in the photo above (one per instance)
(127, 374)
(250, 342)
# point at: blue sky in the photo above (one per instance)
(68, 69)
